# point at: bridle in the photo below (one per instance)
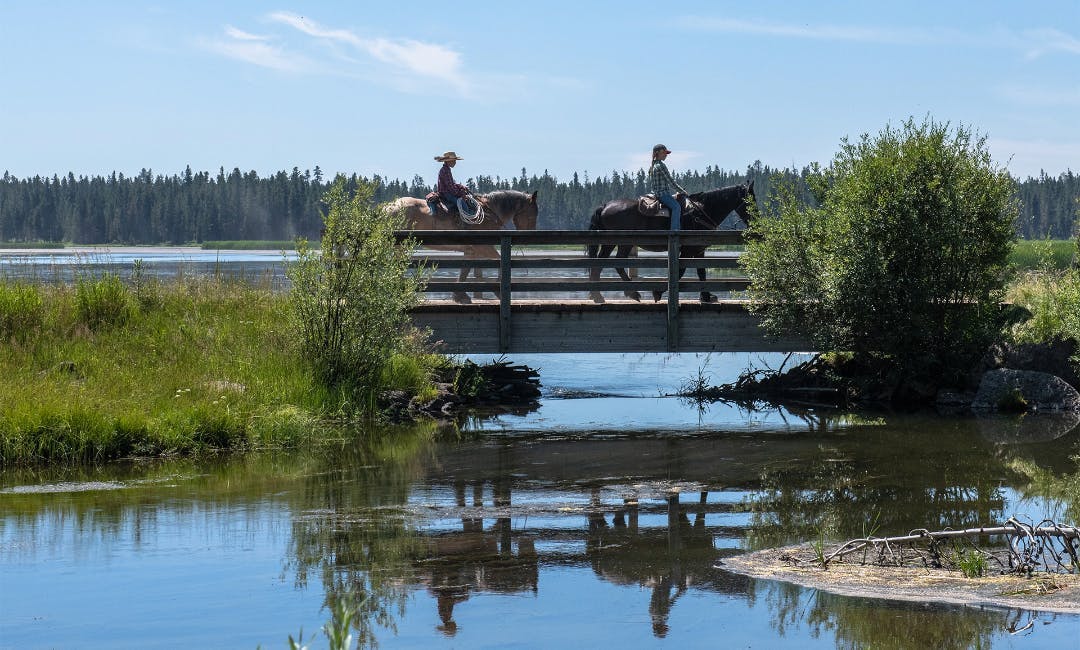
(701, 216)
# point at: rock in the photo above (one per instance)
(1026, 428)
(1053, 357)
(1038, 391)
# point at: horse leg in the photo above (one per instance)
(484, 252)
(624, 251)
(657, 295)
(594, 273)
(706, 297)
(461, 296)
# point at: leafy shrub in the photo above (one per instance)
(905, 257)
(351, 299)
(103, 302)
(21, 310)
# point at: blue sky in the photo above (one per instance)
(381, 88)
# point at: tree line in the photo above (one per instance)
(193, 207)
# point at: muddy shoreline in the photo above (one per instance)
(1042, 592)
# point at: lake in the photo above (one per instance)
(602, 518)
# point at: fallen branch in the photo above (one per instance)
(1053, 546)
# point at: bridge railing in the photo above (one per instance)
(521, 259)
(517, 252)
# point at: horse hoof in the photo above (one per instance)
(462, 299)
(657, 295)
(597, 298)
(633, 295)
(707, 297)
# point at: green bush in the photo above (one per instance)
(21, 311)
(903, 260)
(102, 302)
(351, 300)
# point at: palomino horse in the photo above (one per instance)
(704, 211)
(500, 207)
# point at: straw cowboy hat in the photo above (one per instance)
(449, 155)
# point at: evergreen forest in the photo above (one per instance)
(193, 207)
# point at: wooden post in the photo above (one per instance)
(504, 293)
(673, 292)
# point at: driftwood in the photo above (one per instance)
(1048, 545)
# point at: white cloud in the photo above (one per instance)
(256, 50)
(1044, 41)
(241, 35)
(817, 32)
(1032, 42)
(420, 62)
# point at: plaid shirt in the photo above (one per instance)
(447, 185)
(660, 180)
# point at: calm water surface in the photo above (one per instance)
(600, 519)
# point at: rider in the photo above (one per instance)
(664, 186)
(451, 192)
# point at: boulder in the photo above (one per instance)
(1054, 357)
(1004, 389)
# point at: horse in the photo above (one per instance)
(704, 211)
(500, 207)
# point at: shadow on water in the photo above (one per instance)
(598, 538)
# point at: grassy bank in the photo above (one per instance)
(251, 245)
(1032, 254)
(30, 244)
(105, 369)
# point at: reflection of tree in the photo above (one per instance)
(1046, 483)
(858, 623)
(350, 549)
(844, 492)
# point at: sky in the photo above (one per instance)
(583, 86)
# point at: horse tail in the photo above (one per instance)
(594, 224)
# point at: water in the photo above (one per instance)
(596, 520)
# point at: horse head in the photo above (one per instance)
(718, 204)
(748, 198)
(510, 205)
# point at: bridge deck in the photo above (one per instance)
(585, 326)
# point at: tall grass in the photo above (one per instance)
(21, 311)
(1034, 254)
(107, 369)
(1051, 294)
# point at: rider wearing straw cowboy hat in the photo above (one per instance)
(451, 192)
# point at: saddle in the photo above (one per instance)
(650, 206)
(441, 207)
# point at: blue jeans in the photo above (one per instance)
(449, 199)
(676, 210)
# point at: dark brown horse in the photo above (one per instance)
(704, 211)
(500, 207)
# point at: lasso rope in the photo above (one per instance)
(477, 217)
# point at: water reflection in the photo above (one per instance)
(450, 538)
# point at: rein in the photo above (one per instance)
(701, 215)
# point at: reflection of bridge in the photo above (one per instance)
(666, 554)
(533, 311)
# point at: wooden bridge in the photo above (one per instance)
(541, 295)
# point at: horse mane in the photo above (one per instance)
(504, 200)
(718, 198)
